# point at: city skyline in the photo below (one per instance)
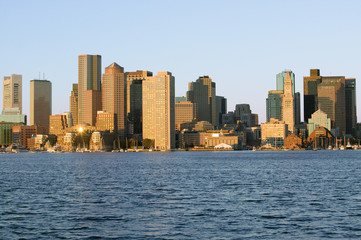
(252, 39)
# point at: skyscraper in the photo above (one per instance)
(12, 92)
(185, 112)
(331, 100)
(203, 92)
(89, 79)
(158, 110)
(134, 99)
(274, 105)
(288, 106)
(114, 95)
(74, 104)
(310, 83)
(221, 108)
(351, 118)
(40, 102)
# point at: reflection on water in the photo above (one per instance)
(181, 195)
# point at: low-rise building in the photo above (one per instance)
(293, 142)
(273, 133)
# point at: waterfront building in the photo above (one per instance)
(74, 104)
(6, 136)
(293, 141)
(134, 100)
(89, 86)
(351, 117)
(318, 119)
(180, 99)
(253, 136)
(21, 134)
(203, 93)
(12, 92)
(106, 121)
(310, 93)
(288, 115)
(273, 133)
(185, 111)
(221, 108)
(274, 105)
(218, 138)
(158, 110)
(321, 138)
(40, 102)
(114, 96)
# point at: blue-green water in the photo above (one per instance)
(181, 195)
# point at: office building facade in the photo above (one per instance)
(40, 102)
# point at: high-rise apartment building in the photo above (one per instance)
(158, 110)
(288, 115)
(114, 95)
(203, 93)
(74, 104)
(134, 99)
(310, 83)
(40, 102)
(89, 79)
(185, 112)
(12, 92)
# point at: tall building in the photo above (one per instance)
(221, 108)
(243, 113)
(288, 115)
(74, 104)
(310, 102)
(203, 93)
(92, 104)
(351, 118)
(185, 112)
(158, 110)
(331, 100)
(280, 78)
(134, 100)
(12, 92)
(274, 105)
(89, 79)
(40, 102)
(114, 95)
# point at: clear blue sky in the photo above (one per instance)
(241, 45)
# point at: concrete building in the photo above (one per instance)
(74, 104)
(106, 121)
(40, 102)
(134, 100)
(318, 119)
(203, 93)
(89, 86)
(12, 92)
(228, 118)
(69, 119)
(203, 126)
(114, 96)
(221, 108)
(243, 113)
(288, 115)
(185, 112)
(158, 110)
(273, 133)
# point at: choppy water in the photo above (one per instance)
(181, 195)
